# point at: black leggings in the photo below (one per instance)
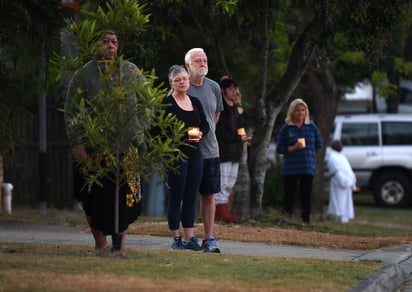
(305, 183)
(184, 188)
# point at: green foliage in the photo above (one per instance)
(27, 28)
(85, 33)
(132, 22)
(228, 7)
(367, 34)
(402, 66)
(366, 24)
(125, 16)
(99, 122)
(281, 51)
(352, 57)
(383, 88)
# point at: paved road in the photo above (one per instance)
(394, 276)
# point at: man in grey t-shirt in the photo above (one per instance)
(209, 94)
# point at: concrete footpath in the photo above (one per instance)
(394, 276)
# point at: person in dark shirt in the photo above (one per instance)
(230, 133)
(184, 184)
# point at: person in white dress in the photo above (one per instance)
(342, 184)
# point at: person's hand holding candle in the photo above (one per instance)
(242, 133)
(194, 134)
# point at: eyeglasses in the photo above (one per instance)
(177, 80)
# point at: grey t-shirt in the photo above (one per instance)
(210, 97)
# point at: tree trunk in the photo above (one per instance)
(392, 102)
(323, 94)
(245, 201)
(266, 115)
(241, 200)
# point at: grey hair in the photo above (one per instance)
(188, 56)
(291, 109)
(174, 70)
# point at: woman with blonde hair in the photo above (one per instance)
(298, 140)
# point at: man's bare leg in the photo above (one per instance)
(207, 204)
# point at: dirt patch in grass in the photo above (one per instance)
(278, 235)
(279, 232)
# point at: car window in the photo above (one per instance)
(396, 133)
(359, 134)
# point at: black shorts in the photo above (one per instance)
(210, 183)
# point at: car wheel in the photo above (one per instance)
(392, 190)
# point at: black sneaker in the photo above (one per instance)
(178, 243)
(210, 245)
(193, 244)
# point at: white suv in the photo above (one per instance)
(379, 149)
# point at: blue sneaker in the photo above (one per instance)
(210, 245)
(193, 244)
(178, 243)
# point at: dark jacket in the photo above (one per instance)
(230, 143)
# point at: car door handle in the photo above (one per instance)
(371, 154)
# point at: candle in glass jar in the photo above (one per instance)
(193, 133)
(241, 132)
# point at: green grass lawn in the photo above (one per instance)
(42, 267)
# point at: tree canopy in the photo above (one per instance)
(276, 50)
(26, 29)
